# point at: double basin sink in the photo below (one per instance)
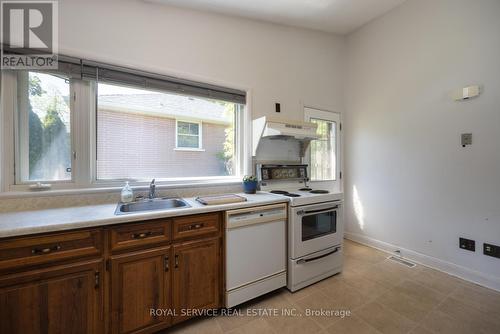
(151, 205)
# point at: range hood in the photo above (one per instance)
(274, 128)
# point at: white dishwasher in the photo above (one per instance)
(255, 252)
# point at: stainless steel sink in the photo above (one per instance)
(151, 205)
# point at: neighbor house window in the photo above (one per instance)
(324, 152)
(140, 135)
(44, 128)
(188, 135)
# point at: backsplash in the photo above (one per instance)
(60, 201)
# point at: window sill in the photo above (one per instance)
(99, 188)
(187, 149)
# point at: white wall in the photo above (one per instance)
(416, 187)
(277, 63)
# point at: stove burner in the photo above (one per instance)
(284, 193)
(279, 192)
(311, 191)
(319, 192)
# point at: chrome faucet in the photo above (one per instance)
(152, 190)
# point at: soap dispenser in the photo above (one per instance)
(127, 193)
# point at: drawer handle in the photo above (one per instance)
(195, 226)
(141, 235)
(45, 250)
(166, 261)
(318, 257)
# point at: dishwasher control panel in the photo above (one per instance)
(238, 218)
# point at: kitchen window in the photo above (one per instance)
(324, 153)
(188, 135)
(90, 125)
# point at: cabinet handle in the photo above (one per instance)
(45, 250)
(97, 279)
(196, 226)
(166, 263)
(176, 261)
(141, 235)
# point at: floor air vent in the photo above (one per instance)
(401, 261)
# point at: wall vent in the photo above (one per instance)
(401, 261)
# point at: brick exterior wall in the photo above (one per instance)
(142, 146)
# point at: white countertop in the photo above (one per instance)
(60, 219)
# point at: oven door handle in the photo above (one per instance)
(318, 257)
(302, 212)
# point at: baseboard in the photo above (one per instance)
(453, 269)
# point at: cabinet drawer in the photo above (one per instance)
(136, 235)
(191, 226)
(36, 250)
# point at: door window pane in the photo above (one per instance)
(323, 151)
(44, 121)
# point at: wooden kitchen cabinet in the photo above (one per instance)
(59, 299)
(204, 225)
(57, 282)
(140, 281)
(48, 249)
(152, 233)
(196, 277)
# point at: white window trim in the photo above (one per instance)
(311, 112)
(200, 136)
(84, 167)
(11, 180)
(8, 90)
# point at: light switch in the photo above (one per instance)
(466, 139)
(466, 93)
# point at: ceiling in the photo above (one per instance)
(335, 16)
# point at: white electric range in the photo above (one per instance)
(315, 224)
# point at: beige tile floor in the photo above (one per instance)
(382, 296)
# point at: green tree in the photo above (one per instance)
(52, 123)
(56, 140)
(35, 128)
(35, 141)
(226, 156)
(35, 87)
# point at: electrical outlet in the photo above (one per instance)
(466, 139)
(491, 250)
(467, 244)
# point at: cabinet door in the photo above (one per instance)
(197, 277)
(140, 282)
(62, 299)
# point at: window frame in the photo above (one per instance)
(329, 116)
(242, 160)
(200, 136)
(21, 122)
(10, 180)
(84, 145)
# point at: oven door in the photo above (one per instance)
(315, 227)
